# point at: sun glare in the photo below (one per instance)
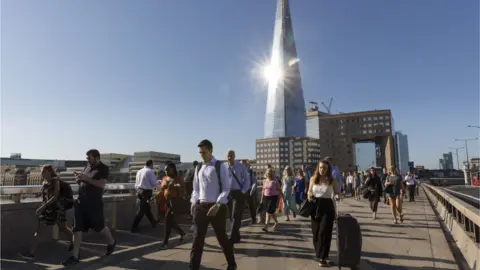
(272, 73)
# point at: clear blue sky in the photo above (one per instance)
(125, 76)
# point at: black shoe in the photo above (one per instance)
(111, 248)
(70, 247)
(26, 255)
(70, 261)
(232, 267)
(323, 263)
(182, 236)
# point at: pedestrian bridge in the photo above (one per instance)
(419, 243)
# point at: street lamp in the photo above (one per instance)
(466, 150)
(473, 126)
(456, 153)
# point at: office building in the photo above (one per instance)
(446, 162)
(402, 152)
(285, 151)
(339, 133)
(159, 160)
(285, 110)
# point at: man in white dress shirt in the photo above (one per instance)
(145, 182)
(211, 188)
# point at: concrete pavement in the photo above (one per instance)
(418, 243)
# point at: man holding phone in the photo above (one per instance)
(88, 208)
(209, 199)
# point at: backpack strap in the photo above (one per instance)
(217, 169)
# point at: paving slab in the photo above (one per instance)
(417, 243)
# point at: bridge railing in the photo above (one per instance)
(17, 193)
(462, 220)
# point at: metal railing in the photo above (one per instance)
(465, 214)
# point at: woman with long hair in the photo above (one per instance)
(288, 190)
(321, 190)
(374, 188)
(300, 187)
(395, 190)
(173, 188)
(51, 212)
(271, 190)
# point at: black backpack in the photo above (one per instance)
(66, 194)
(217, 169)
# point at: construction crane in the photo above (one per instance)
(328, 108)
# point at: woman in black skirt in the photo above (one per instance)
(321, 191)
(270, 195)
(51, 212)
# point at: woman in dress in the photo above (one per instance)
(321, 189)
(288, 190)
(51, 212)
(271, 190)
(300, 186)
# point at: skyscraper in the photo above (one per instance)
(285, 114)
(403, 157)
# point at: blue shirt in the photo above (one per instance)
(242, 176)
(336, 174)
(206, 187)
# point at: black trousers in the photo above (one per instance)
(200, 226)
(252, 206)
(188, 188)
(236, 206)
(322, 227)
(170, 222)
(143, 207)
(411, 193)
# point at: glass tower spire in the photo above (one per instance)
(285, 114)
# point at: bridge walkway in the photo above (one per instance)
(418, 243)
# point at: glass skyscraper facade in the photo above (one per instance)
(403, 157)
(285, 112)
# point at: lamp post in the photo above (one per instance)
(456, 153)
(466, 150)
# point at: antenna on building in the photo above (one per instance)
(329, 107)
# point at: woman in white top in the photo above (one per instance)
(321, 190)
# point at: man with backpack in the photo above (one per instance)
(211, 188)
(240, 186)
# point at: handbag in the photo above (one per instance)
(366, 193)
(306, 209)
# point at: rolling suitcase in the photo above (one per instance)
(349, 241)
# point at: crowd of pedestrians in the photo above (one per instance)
(218, 191)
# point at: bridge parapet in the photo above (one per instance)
(461, 219)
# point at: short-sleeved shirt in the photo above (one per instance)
(89, 192)
(396, 182)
